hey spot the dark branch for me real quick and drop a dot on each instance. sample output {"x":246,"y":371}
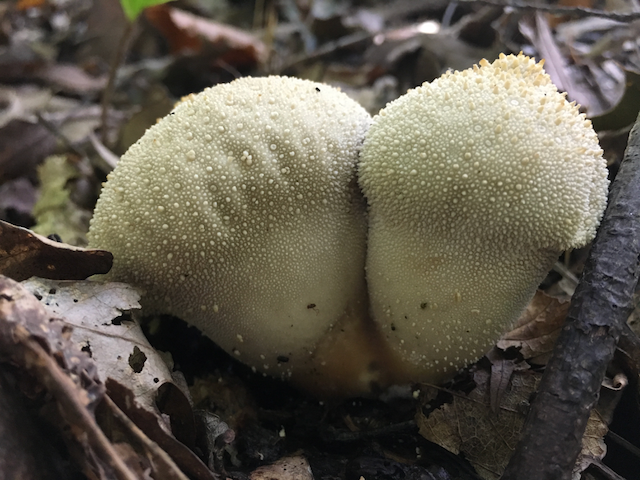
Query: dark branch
{"x":552,"y":436}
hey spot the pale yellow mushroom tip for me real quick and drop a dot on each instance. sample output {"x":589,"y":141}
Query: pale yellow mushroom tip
{"x":520,"y":149}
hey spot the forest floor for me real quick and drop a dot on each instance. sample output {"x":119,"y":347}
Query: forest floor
{"x":80,"y":83}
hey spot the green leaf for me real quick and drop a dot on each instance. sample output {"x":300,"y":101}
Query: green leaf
{"x":54,"y":211}
{"x":132,"y":8}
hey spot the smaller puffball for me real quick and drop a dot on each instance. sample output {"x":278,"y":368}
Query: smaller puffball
{"x":475,"y":184}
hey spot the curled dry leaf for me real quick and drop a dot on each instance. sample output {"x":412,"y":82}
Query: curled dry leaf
{"x":536,"y":331}
{"x":216,"y":436}
{"x":24,"y":254}
{"x":162,"y":442}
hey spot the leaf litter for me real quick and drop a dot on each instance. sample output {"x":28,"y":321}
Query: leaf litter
{"x":374,"y":52}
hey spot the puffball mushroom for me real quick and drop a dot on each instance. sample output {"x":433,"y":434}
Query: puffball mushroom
{"x":240,"y":213}
{"x":475,"y":184}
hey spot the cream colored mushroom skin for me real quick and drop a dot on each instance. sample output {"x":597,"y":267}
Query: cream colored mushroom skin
{"x":240,"y":213}
{"x":475,"y":184}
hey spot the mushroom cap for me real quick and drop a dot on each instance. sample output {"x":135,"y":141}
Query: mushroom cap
{"x":239,"y":212}
{"x":475,"y":183}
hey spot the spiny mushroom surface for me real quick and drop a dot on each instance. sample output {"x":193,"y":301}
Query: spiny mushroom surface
{"x":475,"y":184}
{"x":240,"y":213}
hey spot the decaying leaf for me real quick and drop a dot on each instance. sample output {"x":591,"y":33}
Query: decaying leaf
{"x":468,"y":424}
{"x":25,"y":254}
{"x":23,"y":321}
{"x":501,"y":373}
{"x":287,"y":468}
{"x":134,"y":372}
{"x":536,"y":331}
{"x":170,"y":456}
{"x":593,"y":446}
{"x":117,"y":345}
{"x":39,"y":343}
{"x":33,"y":341}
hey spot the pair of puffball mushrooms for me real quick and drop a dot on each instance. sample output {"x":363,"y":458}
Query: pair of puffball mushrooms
{"x":242,"y":212}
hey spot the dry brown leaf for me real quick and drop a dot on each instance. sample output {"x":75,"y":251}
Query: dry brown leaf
{"x":27,"y":4}
{"x":468,"y":425}
{"x":593,"y":446}
{"x":180,"y":40}
{"x":216,"y":33}
{"x":188,"y":32}
{"x":501,"y":372}
{"x":25,"y":254}
{"x":170,"y":457}
{"x":537,"y":329}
